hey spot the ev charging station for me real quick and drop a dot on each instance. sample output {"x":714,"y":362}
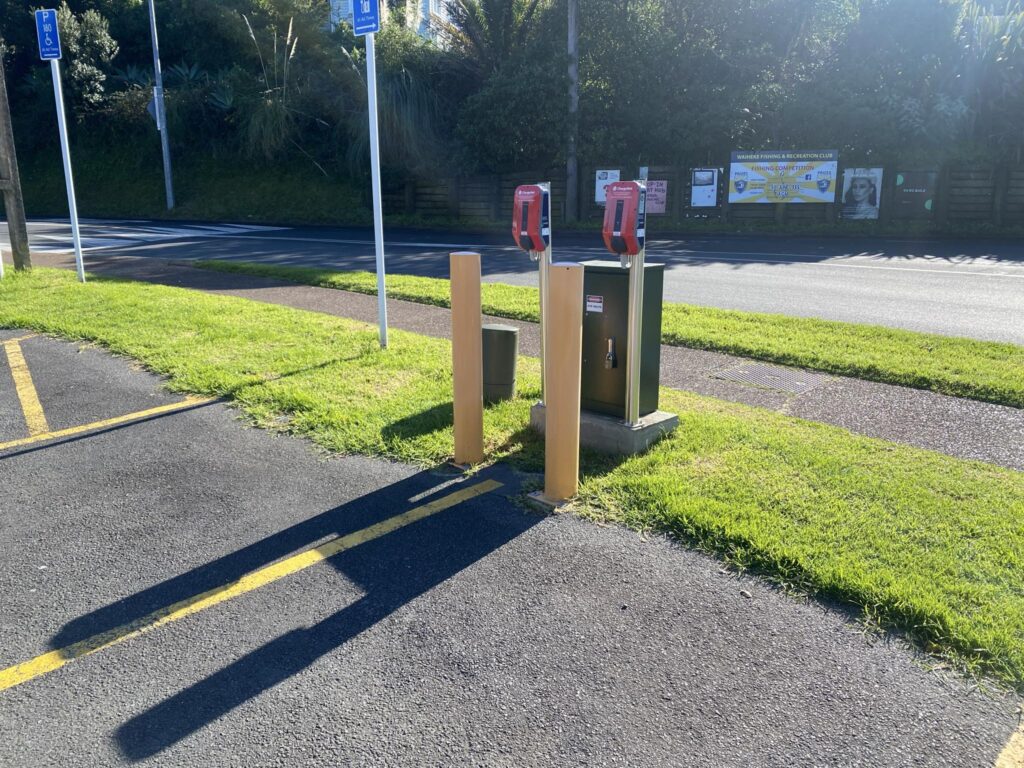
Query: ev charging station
{"x":625,"y":233}
{"x":621,"y":321}
{"x":531,"y":230}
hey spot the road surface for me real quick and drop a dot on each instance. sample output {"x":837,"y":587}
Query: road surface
{"x":949,"y":287}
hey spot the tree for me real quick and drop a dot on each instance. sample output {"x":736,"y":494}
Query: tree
{"x":88,"y":50}
{"x":488,"y":34}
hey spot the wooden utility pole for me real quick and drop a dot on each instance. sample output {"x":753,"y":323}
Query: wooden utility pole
{"x":572,"y":179}
{"x":10,"y":181}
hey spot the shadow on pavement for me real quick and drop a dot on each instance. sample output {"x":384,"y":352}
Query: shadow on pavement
{"x":391,"y":570}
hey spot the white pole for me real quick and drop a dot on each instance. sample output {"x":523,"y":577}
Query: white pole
{"x":542,"y":283}
{"x":378,"y":213}
{"x":161,"y":112}
{"x":1,"y":263}
{"x":635,"y":331}
{"x":69,"y":180}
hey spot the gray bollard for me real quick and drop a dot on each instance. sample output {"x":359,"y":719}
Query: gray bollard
{"x":501,"y":353}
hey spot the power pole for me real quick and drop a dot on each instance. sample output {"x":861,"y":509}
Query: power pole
{"x":572,"y":181}
{"x":10,"y":181}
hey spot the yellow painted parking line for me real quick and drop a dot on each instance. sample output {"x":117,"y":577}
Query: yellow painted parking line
{"x":42,"y":437}
{"x":1012,"y":755}
{"x":35,"y":419}
{"x":19,"y":339}
{"x":48,"y":662}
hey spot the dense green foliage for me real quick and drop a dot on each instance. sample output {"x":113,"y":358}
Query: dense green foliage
{"x":661,"y":81}
{"x":928,"y":543}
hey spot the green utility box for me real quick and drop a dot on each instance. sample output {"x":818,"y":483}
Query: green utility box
{"x":606,"y":337}
{"x":501,"y":351}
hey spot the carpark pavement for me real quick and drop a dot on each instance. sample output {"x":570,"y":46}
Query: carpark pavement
{"x":454,"y":627}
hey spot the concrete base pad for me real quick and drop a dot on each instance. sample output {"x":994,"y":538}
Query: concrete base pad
{"x":607,"y":434}
{"x":539,"y":501}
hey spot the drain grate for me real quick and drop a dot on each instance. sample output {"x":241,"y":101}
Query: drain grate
{"x":772,"y":377}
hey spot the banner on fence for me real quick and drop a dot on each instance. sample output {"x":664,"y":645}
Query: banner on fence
{"x":704,"y":187}
{"x":783,"y":177}
{"x":862,"y":193}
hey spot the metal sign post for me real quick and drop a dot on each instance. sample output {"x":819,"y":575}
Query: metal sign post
{"x":49,"y":50}
{"x":366,"y":21}
{"x":158,"y":106}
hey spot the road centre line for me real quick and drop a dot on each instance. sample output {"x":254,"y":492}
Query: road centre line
{"x":35,"y":418}
{"x":49,"y":662}
{"x":41,"y":437}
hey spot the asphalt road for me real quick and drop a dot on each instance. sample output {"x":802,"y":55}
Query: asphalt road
{"x":950,"y":287}
{"x":481,"y":634}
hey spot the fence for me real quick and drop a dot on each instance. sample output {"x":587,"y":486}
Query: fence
{"x":975,"y":195}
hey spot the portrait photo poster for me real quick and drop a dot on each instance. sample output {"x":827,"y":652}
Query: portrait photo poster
{"x":862,"y":193}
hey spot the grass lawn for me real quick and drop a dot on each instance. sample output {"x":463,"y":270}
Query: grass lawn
{"x":981,"y":370}
{"x":920,"y":541}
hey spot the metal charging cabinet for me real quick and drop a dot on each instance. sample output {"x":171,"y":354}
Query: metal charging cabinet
{"x":606,"y":337}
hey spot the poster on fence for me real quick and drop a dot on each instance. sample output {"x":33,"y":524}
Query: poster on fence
{"x":915,"y":194}
{"x":601,"y":182}
{"x":657,"y":196}
{"x":783,"y":177}
{"x":862,"y":193}
{"x":704,"y":188}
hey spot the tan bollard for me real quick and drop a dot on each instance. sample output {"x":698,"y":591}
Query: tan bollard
{"x":563,"y":350}
{"x":467,"y":358}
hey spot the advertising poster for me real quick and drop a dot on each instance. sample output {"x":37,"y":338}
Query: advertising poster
{"x":783,"y":177}
{"x":603,"y":179}
{"x":915,"y":194}
{"x":862,"y":193}
{"x":704,"y":188}
{"x":657,"y":196}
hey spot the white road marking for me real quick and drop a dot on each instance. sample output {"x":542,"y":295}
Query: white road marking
{"x":115,"y":236}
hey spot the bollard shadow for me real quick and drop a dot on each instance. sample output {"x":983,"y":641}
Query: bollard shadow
{"x":435,"y":419}
{"x":391,"y":571}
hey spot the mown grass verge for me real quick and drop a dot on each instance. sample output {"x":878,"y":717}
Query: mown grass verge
{"x":924,"y":542}
{"x":980,"y":370}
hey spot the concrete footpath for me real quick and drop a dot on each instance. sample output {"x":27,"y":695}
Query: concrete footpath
{"x":956,"y":426}
{"x":180,"y":590}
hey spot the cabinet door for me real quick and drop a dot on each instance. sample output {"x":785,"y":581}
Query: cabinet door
{"x":605,"y":318}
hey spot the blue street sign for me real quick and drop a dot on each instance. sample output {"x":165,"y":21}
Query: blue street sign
{"x":365,"y":16}
{"x":49,"y":37}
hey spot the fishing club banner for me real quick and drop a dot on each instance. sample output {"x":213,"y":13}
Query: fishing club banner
{"x":783,"y":177}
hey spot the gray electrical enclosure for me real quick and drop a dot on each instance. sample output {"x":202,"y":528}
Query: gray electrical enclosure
{"x":605,"y":337}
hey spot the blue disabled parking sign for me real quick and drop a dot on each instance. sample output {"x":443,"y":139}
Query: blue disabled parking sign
{"x":366,"y":16}
{"x":49,"y":37}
